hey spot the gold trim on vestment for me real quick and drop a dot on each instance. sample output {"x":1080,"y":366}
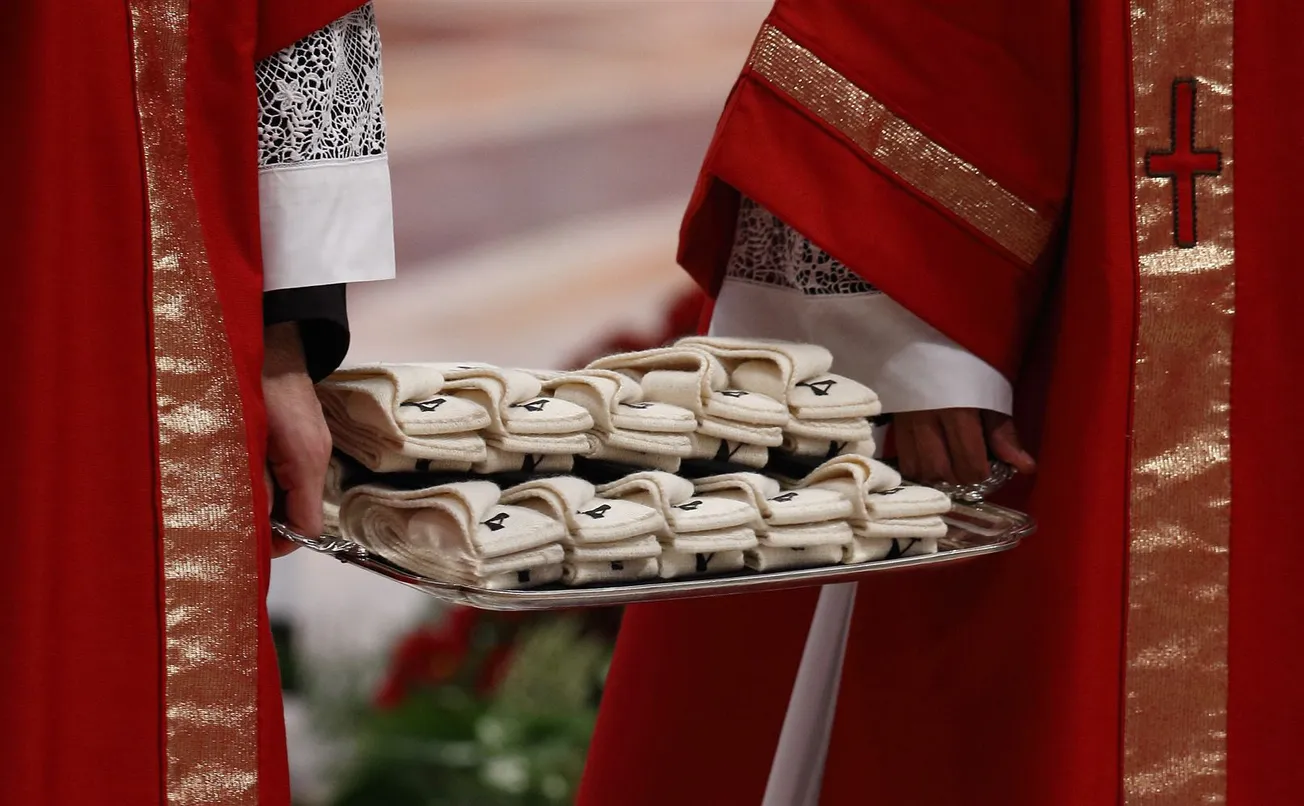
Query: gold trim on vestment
{"x":208,"y":532}
{"x":899,"y":147}
{"x":1175,"y":713}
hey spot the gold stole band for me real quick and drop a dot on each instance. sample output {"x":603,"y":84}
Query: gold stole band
{"x":1175,"y":711}
{"x":208,"y":532}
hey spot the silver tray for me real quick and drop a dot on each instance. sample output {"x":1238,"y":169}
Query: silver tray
{"x":976,"y":530}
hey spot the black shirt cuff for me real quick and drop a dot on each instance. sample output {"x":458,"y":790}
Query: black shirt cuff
{"x":323,"y":316}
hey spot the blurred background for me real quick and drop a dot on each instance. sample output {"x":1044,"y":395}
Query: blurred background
{"x":542,"y":152}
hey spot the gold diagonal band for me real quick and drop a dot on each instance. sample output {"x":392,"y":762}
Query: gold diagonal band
{"x":894,"y":144}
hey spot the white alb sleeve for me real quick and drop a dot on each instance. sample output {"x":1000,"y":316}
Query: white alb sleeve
{"x":916,"y":368}
{"x":910,"y":364}
{"x":323,"y":181}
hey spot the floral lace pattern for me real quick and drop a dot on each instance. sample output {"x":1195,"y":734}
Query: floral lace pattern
{"x":768,"y":252}
{"x":321,"y":98}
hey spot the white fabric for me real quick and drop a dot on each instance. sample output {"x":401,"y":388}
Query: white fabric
{"x":863,"y":550}
{"x":684,"y":510}
{"x":697,"y":381}
{"x":779,"y":558}
{"x":578,"y":572}
{"x":455,"y":533}
{"x":674,"y":564}
{"x":932,"y":528}
{"x":323,"y":182}
{"x":910,"y":364}
{"x":808,"y":535}
{"x":393,"y":418}
{"x":638,"y":548}
{"x":907,"y":502}
{"x":626,"y":428}
{"x":326,"y":222}
{"x":738,"y":453}
{"x":794,"y":373}
{"x":796,"y":519}
{"x":797,"y":772}
{"x":588,"y":519}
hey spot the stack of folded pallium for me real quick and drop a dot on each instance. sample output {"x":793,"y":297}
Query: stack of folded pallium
{"x":821,"y":414}
{"x":627,"y":428}
{"x":887,"y":519}
{"x":456,"y":533}
{"x":699,"y":458}
{"x":452,"y":417}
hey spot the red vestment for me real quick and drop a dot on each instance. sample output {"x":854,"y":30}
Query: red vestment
{"x":1005,"y":171}
{"x":103,"y":204}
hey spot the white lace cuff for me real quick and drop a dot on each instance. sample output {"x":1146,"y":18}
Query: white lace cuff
{"x":323,"y":183}
{"x":780,"y":285}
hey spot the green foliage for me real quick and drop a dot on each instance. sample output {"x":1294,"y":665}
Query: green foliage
{"x":521,"y":744}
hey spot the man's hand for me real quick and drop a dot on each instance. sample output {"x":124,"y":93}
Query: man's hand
{"x":956,"y":446}
{"x":298,"y":442}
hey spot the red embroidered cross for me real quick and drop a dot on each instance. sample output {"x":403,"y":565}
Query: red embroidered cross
{"x":1184,"y":162}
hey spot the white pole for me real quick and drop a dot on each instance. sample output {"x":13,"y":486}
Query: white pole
{"x":797,"y":773}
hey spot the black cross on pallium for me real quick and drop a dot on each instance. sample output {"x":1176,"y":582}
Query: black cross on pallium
{"x":835,"y":449}
{"x":425,"y":405}
{"x":533,"y":405}
{"x":733,"y":393}
{"x":1183,"y":162}
{"x":597,"y":513}
{"x":820,"y":388}
{"x":900,"y":547}
{"x":785,"y":498}
{"x":724,"y":453}
{"x":690,"y":506}
{"x":496,"y":523}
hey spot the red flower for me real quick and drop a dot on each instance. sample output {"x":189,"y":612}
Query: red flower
{"x":461,"y":623}
{"x":428,"y":657}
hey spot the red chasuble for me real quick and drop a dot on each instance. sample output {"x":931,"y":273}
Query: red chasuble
{"x":135,"y":662}
{"x":1098,"y":198}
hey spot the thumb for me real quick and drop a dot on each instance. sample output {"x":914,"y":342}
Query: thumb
{"x":280,"y":546}
{"x":303,"y":485}
{"x":1003,"y":441}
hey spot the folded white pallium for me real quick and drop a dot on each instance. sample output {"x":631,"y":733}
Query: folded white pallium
{"x":395,"y":418}
{"x":703,"y":534}
{"x":456,"y":533}
{"x":828,"y":413}
{"x":526,"y":430}
{"x":626,"y":428}
{"x":887,"y":519}
{"x":799,"y":528}
{"x":607,"y":539}
{"x":733,"y":425}
{"x":452,"y":418}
